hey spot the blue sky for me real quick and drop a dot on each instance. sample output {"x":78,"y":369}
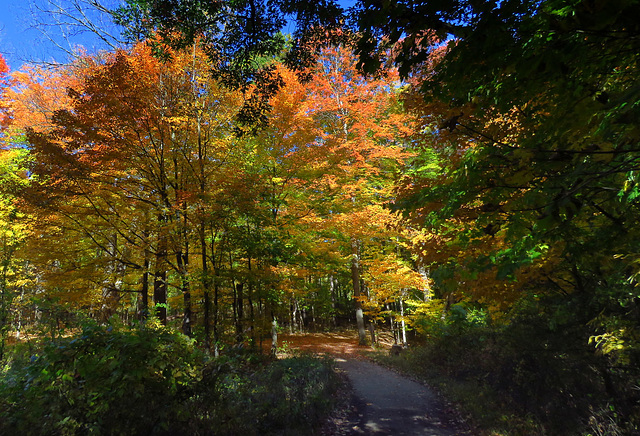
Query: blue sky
{"x":20,"y":42}
{"x":15,"y":41}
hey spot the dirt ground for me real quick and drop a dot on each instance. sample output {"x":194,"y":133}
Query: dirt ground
{"x":339,"y":344}
{"x":379,"y":401}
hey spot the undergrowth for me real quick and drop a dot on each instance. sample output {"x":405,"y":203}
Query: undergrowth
{"x":115,"y":381}
{"x":524,"y":379}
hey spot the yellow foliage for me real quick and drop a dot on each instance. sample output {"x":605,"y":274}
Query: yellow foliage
{"x":607,"y":343}
{"x":388,"y":279}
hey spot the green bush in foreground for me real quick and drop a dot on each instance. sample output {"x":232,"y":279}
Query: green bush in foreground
{"x":107,"y":381}
{"x":285,"y":398}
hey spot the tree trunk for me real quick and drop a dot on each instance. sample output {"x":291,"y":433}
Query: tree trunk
{"x":334,"y":302}
{"x":206,"y":283}
{"x":252,"y":319}
{"x":160,"y":276}
{"x":207,"y":319}
{"x":160,"y":295}
{"x":182,"y":260}
{"x":160,"y":282}
{"x":274,"y":337}
{"x":391,"y":325}
{"x":301,"y":314}
{"x":404,"y":329}
{"x":239,"y":310}
{"x":262,"y":312}
{"x":144,"y":309}
{"x":372,"y":333}
{"x":216,"y":296}
{"x":355,"y":276}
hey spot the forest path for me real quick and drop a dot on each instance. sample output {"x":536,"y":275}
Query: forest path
{"x":383,"y":402}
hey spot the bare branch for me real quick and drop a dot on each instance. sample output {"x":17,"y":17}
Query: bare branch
{"x":74,"y":27}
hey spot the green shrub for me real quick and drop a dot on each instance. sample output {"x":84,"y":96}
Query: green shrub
{"x":519,"y":379}
{"x":102,"y":381}
{"x":459,"y":318}
{"x":284,"y":397}
{"x":115,"y":381}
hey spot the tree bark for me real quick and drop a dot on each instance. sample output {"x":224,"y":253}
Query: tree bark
{"x":206,"y":283}
{"x":402,"y":324}
{"x":182,"y":259}
{"x":146,"y":263}
{"x":372,"y":333}
{"x":334,"y":302}
{"x":144,"y":310}
{"x":160,"y":279}
{"x":239,"y":311}
{"x":355,"y":276}
{"x":274,"y":337}
{"x":216,"y":297}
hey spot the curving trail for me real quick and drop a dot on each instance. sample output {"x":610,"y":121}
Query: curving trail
{"x":383,"y":402}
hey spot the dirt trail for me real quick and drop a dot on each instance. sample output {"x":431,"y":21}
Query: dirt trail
{"x":383,"y":402}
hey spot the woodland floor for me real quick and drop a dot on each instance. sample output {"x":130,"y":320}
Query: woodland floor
{"x":378,"y":401}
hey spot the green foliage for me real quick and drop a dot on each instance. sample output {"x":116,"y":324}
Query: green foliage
{"x":12,"y":234}
{"x":537,"y":206}
{"x":459,"y":319}
{"x":115,"y":381}
{"x":242,"y":39}
{"x":102,"y":381}
{"x":283,"y":398}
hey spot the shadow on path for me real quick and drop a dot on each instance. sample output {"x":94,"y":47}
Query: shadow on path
{"x":384,"y":402}
{"x":389,"y":404}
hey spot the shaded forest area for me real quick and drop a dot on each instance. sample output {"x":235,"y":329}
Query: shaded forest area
{"x":464,"y":174}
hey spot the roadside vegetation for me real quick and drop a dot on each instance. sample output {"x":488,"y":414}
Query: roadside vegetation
{"x":112,"y":380}
{"x":519,"y":378}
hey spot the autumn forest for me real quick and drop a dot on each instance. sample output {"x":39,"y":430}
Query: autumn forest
{"x":462,"y":176}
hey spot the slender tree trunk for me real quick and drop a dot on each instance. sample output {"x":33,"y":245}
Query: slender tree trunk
{"x":391,"y":325}
{"x":261,"y":312}
{"x":161,"y":266}
{"x":239,"y":289}
{"x":206,"y":283}
{"x":402,"y":324}
{"x":216,"y":297}
{"x":144,"y":310}
{"x":202,"y":175}
{"x":372,"y":333}
{"x":5,"y":302}
{"x":160,"y":294}
{"x":301,"y":314}
{"x":160,"y":279}
{"x":19,"y":315}
{"x":274,"y":337}
{"x":252,"y":320}
{"x":234,"y":305}
{"x":216,"y":265}
{"x":182,"y":260}
{"x":334,"y":301}
{"x":355,"y":276}
{"x":426,"y":293}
